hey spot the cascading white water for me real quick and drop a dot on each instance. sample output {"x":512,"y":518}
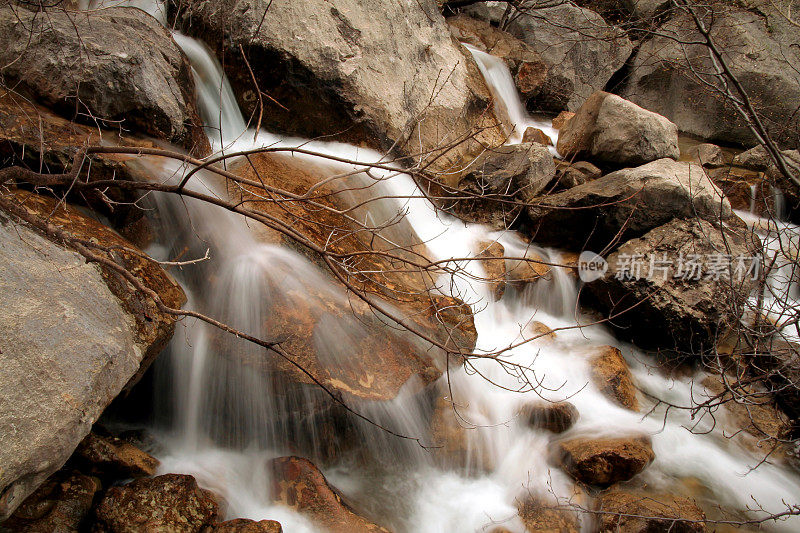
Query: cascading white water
{"x":227,"y":424}
{"x":504,"y":91}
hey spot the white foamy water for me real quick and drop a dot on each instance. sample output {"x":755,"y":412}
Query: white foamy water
{"x":228,"y":420}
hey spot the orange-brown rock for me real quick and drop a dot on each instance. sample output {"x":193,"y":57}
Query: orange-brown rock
{"x":621,"y":511}
{"x":528,"y":269}
{"x":298,"y":484}
{"x":610,"y":374}
{"x":379,"y":359}
{"x":112,"y":457}
{"x":451,"y":437}
{"x":540,"y":516}
{"x":494,"y":265}
{"x":535,"y":135}
{"x":172,"y":502}
{"x":556,"y":417}
{"x":604,"y":461}
{"x":540,"y":331}
{"x":243,"y":525}
{"x":61,"y":503}
{"x":561,"y":120}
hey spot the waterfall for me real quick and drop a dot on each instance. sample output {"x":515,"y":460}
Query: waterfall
{"x":228,"y":417}
{"x":507,"y":100}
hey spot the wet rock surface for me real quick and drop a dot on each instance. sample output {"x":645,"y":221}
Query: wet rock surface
{"x":556,"y":417}
{"x":610,"y":373}
{"x":604,"y":461}
{"x":171,"y":502}
{"x":298,"y":484}
{"x":633,"y":512}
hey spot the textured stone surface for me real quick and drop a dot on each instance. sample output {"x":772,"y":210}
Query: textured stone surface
{"x":633,"y":512}
{"x":604,"y":461}
{"x":73,"y":337}
{"x":668,"y":76}
{"x":625,"y":204}
{"x":172,"y":502}
{"x":296,"y":482}
{"x":556,"y":417}
{"x":580,"y":49}
{"x":609,"y":129}
{"x":113,"y":457}
{"x":610,"y":374}
{"x":367,"y":69}
{"x":676,"y":308}
{"x":120,"y":63}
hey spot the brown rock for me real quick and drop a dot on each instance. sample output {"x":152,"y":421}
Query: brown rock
{"x":708,"y":155}
{"x":451,"y":435}
{"x":243,"y":525}
{"x":604,"y":461}
{"x":172,"y":502}
{"x":494,"y":266}
{"x":572,"y":175}
{"x":562,"y":119}
{"x":540,"y":517}
{"x":113,"y":457}
{"x":657,"y":512}
{"x":535,"y":135}
{"x":611,"y":375}
{"x":297,"y":483}
{"x":540,"y":330}
{"x":61,"y":503}
{"x":556,"y":417}
{"x":528,"y":270}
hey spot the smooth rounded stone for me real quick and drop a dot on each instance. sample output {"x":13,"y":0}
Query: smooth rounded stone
{"x":679,"y":304}
{"x":75,"y":334}
{"x":562,"y":119}
{"x":581,"y":51}
{"x":121,"y":64}
{"x":626,"y":204}
{"x":604,"y":461}
{"x":451,"y":438}
{"x":609,"y":129}
{"x":172,"y":502}
{"x":623,"y":511}
{"x":296,"y":482}
{"x":610,"y":374}
{"x":61,"y":503}
{"x":556,"y":417}
{"x":494,"y":266}
{"x":757,"y":43}
{"x":540,"y":516}
{"x":112,"y":457}
{"x":243,"y":525}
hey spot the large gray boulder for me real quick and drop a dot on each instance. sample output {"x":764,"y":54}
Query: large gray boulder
{"x":73,"y":336}
{"x":626,"y":204}
{"x":609,"y":129}
{"x":581,"y":50}
{"x":379,"y":70}
{"x":115,"y":65}
{"x":677,"y":286}
{"x":676,"y":79}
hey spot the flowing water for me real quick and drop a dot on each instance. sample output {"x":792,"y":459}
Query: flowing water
{"x":226,"y":418}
